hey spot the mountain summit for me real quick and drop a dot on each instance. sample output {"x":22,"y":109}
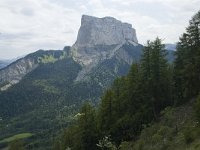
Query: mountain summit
{"x":104,"y":31}
{"x":100,"y":39}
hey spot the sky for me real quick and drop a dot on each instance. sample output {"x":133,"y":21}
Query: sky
{"x":29,"y":25}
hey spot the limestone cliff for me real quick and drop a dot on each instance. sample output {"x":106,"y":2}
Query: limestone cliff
{"x":100,"y":39}
{"x":104,"y":31}
{"x":15,"y":72}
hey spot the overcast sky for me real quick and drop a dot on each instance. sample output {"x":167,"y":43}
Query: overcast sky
{"x":29,"y":25}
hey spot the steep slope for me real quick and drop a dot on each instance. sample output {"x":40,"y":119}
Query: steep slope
{"x":6,"y":62}
{"x":177,"y":129}
{"x":100,"y":39}
{"x":13,"y":73}
{"x":45,"y":99}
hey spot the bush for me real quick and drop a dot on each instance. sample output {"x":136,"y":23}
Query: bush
{"x":125,"y":146}
{"x":189,"y":135}
{"x":17,"y":145}
{"x":197,"y":108}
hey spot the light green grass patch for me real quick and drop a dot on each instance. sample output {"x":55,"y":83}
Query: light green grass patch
{"x":16,"y":137}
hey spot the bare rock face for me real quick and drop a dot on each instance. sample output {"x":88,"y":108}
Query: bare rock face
{"x":15,"y":72}
{"x":100,"y":39}
{"x":104,"y":31}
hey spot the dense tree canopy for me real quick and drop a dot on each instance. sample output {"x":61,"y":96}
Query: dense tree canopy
{"x":187,"y":63}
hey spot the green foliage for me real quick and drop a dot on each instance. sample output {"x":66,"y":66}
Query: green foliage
{"x":106,"y":144}
{"x":47,"y":59}
{"x":155,"y":75}
{"x":16,"y":145}
{"x":187,"y":62}
{"x":16,"y":137}
{"x":197,"y":108}
{"x":189,"y":135}
{"x":83,"y":135}
{"x":125,"y":146}
{"x":88,"y":127}
{"x":175,"y":130}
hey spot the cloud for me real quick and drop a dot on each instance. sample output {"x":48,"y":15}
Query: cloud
{"x":28,"y":25}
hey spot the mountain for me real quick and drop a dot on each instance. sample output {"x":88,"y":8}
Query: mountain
{"x":45,"y":89}
{"x":171,"y":47}
{"x":13,"y":73}
{"x":100,"y":39}
{"x":4,"y":63}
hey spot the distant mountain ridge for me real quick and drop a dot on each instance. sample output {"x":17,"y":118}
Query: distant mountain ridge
{"x":15,"y":71}
{"x":170,"y":46}
{"x":4,"y":63}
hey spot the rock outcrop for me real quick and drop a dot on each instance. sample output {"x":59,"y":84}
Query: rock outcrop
{"x":104,"y":31}
{"x":100,"y":39}
{"x":15,"y":72}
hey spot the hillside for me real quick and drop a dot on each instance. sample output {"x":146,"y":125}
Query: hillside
{"x":156,"y":106}
{"x":177,"y":129}
{"x":45,"y":99}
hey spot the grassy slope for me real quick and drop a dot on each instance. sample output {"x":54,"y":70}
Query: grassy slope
{"x":176,"y":130}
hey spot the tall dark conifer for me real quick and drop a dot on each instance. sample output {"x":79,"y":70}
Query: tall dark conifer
{"x":187,"y":63}
{"x":154,"y":70}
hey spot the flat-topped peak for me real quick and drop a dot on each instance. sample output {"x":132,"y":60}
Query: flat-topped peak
{"x":93,"y":17}
{"x":104,"y":31}
{"x":87,"y":18}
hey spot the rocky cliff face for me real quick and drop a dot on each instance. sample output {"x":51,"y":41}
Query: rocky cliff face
{"x":103,"y":31}
{"x":15,"y":72}
{"x":100,"y":39}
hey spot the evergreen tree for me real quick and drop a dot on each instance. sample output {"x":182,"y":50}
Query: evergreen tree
{"x":187,"y":63}
{"x":88,"y":128}
{"x":155,"y":80}
{"x":106,"y":112}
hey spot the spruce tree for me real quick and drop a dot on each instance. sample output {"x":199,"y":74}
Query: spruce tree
{"x":187,"y":63}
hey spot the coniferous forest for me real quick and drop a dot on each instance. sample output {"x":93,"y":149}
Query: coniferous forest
{"x":154,"y":107}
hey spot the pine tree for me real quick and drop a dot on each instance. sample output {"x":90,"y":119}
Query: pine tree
{"x":106,"y":112}
{"x":187,"y":63}
{"x":154,"y":73}
{"x":88,"y":128}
